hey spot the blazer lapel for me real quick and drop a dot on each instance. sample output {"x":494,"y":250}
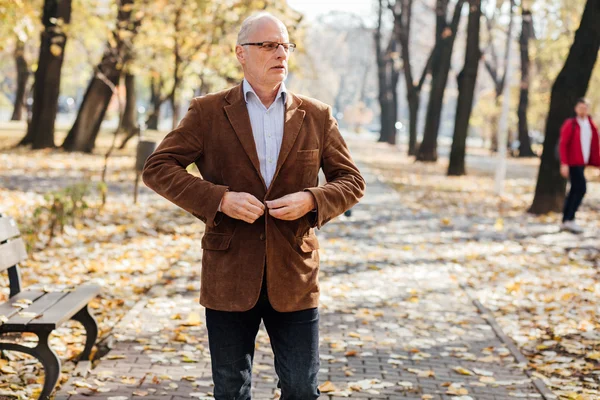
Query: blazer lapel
{"x":292,"y":124}
{"x":237,"y":113}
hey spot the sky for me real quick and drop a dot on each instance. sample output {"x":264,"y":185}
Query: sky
{"x":313,"y":8}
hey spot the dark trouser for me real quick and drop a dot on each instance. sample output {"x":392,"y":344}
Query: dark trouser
{"x":294,"y":340}
{"x":576,"y":192}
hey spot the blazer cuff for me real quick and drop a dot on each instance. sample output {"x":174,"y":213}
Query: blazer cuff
{"x":315,"y":216}
{"x":214,"y":217}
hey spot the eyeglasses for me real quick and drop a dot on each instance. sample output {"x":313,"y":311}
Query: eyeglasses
{"x":272,"y":46}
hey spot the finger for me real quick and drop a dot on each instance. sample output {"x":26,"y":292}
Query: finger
{"x":283,"y":213}
{"x":248,"y":216}
{"x":255,"y":202}
{"x":277,"y":203}
{"x":255,"y":210}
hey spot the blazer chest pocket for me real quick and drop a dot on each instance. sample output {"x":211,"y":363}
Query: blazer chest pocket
{"x":307,"y":156}
{"x":216,"y":241}
{"x":308,"y":166}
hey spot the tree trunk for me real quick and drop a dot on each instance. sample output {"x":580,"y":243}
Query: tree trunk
{"x":395,"y":75}
{"x":40,"y":132}
{"x":413,"y":114}
{"x":572,"y":82}
{"x":385,"y":96}
{"x":175,"y":110}
{"x":156,"y":101}
{"x":22,"y":77}
{"x":176,"y":73}
{"x":526,"y":34}
{"x":466,"y":89}
{"x":402,"y":21}
{"x":83,"y":134}
{"x":494,"y":120}
{"x":439,"y":77}
{"x":129,"y":120}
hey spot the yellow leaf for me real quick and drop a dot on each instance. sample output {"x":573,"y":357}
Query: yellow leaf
{"x":192,"y":320}
{"x":422,"y":373}
{"x":8,"y":370}
{"x":327,"y":387}
{"x":462,"y":371}
{"x":594,"y":355}
{"x":82,"y":384}
{"x":187,"y":359}
{"x":499,"y":225}
{"x":115,"y":357}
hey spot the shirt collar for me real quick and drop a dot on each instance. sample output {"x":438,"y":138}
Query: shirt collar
{"x":282,"y":92}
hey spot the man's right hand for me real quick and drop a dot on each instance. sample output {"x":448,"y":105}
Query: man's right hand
{"x":242,"y":206}
{"x":564,"y":170}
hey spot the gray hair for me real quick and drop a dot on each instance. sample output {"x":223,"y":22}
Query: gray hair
{"x":249,"y":23}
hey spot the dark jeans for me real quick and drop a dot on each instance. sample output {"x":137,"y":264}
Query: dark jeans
{"x":576,"y":192}
{"x":294,"y":340}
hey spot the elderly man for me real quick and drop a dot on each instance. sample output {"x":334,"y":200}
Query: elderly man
{"x":259,"y":149}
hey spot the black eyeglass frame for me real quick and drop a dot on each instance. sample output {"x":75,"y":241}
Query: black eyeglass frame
{"x":291,"y":46}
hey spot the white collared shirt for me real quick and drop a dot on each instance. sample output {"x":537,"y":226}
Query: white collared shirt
{"x":586,"y":138}
{"x":267,"y":128}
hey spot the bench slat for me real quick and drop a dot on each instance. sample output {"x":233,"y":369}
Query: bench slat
{"x":12,"y":253}
{"x":66,"y":307}
{"x":8,"y":228}
{"x":7,"y":309}
{"x":38,"y":307}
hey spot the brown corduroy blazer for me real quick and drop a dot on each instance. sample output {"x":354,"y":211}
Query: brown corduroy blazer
{"x":216,"y":135}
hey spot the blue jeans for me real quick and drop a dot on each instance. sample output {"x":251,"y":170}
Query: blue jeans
{"x":294,"y":340}
{"x":576,"y":192}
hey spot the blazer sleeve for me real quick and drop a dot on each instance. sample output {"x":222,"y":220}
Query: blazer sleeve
{"x":566,"y":131}
{"x":165,"y":170}
{"x":345,"y":185}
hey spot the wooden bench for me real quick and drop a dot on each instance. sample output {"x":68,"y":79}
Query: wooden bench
{"x":40,"y":312}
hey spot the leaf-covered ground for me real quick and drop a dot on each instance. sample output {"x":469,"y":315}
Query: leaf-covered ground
{"x":125,"y":248}
{"x":541,"y":285}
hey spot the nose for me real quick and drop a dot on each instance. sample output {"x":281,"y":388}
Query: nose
{"x":280,"y":52}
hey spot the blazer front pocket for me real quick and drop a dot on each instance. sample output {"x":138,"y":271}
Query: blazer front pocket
{"x":216,"y":241}
{"x":308,"y":243}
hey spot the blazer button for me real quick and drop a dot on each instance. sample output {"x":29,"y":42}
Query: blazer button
{"x":262,"y":236}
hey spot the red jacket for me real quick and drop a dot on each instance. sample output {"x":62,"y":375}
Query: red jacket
{"x":570,"y":144}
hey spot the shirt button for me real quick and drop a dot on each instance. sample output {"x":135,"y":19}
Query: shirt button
{"x":262,"y":236}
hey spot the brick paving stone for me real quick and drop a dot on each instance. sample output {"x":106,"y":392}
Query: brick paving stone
{"x":396,"y":311}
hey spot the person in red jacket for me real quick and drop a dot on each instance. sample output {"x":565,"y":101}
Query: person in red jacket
{"x":578,"y":147}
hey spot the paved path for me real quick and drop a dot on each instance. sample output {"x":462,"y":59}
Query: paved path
{"x":395,"y":324}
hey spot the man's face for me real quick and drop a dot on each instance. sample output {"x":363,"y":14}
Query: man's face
{"x":581,"y":109}
{"x":261,"y":66}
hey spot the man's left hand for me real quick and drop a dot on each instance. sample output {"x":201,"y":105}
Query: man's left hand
{"x":291,"y":206}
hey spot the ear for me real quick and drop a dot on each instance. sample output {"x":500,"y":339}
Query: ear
{"x":240,"y":54}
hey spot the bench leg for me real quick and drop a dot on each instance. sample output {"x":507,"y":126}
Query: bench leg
{"x":91,"y":331}
{"x":47,"y":357}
